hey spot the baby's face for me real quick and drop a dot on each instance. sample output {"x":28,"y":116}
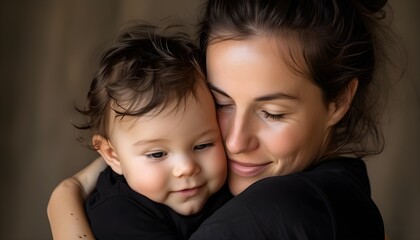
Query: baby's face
{"x":175,"y":158}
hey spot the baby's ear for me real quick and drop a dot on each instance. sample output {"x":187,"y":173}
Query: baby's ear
{"x":104,"y":147}
{"x":339,"y":107}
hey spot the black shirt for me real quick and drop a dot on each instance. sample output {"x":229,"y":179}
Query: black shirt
{"x":117,"y":212}
{"x":329,"y":201}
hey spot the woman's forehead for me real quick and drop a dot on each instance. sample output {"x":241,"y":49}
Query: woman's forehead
{"x":285,"y":46}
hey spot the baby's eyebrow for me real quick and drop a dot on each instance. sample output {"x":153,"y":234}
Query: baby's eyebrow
{"x":148,"y":141}
{"x":207,"y":132}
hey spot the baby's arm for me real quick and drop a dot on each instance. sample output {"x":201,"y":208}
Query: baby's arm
{"x":65,"y":210}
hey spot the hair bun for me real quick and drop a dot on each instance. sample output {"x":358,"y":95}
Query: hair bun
{"x":371,"y":5}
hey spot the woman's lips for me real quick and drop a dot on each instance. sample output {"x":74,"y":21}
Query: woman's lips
{"x":246,"y":169}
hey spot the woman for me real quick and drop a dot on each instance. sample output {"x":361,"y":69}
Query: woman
{"x":295,"y":85}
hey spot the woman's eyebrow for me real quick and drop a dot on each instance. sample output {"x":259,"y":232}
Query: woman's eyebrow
{"x":275,"y":96}
{"x":213,"y":88}
{"x":268,"y":97}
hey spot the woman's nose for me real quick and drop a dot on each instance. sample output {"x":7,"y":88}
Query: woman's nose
{"x":241,"y":135}
{"x":186,"y":166}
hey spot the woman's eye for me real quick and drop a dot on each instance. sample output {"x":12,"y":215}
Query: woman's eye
{"x":156,"y":155}
{"x":203,"y":146}
{"x":270,"y":116}
{"x":222,"y":106}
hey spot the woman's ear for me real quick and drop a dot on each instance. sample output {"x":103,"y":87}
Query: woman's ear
{"x":104,"y":147}
{"x":339,"y":107}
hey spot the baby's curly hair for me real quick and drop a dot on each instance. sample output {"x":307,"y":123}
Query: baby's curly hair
{"x":144,"y":70}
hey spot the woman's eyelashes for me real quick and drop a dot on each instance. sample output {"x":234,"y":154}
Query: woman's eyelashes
{"x":265,"y":114}
{"x":220,"y":106}
{"x":271,"y":116}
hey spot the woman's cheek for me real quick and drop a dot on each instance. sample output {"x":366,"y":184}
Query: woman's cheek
{"x":283,"y":141}
{"x":223,"y":121}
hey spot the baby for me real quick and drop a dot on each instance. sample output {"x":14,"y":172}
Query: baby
{"x":154,"y":123}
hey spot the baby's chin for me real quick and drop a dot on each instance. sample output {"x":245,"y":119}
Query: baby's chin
{"x":187,"y":209}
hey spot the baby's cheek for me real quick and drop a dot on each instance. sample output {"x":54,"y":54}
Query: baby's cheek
{"x":216,"y":171}
{"x":151,"y":184}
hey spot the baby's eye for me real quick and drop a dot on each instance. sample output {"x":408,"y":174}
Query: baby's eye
{"x":203,"y":146}
{"x":270,"y":116}
{"x":156,"y":155}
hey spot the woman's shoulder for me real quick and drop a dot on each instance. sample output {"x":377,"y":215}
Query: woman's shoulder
{"x":335,"y":192}
{"x":271,"y":210}
{"x":340,"y":184}
{"x":329,"y":201}
{"x":329,"y":175}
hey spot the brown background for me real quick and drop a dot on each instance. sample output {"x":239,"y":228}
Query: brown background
{"x":48,"y":51}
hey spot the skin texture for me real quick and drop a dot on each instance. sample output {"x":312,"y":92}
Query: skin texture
{"x":174,"y":157}
{"x":70,"y":221}
{"x":273,"y":120}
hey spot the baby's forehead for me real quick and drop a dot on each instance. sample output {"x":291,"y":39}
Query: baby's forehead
{"x":170,"y":116}
{"x":149,"y":106}
{"x":130,"y":111}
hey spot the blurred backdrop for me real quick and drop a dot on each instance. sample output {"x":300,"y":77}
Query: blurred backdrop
{"x":48,"y":52}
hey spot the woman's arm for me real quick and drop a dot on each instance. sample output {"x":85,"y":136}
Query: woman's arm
{"x":65,"y":209}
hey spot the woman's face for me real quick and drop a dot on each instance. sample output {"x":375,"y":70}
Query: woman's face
{"x":273,"y":121}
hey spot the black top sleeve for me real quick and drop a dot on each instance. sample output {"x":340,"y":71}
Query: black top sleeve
{"x":122,"y":218}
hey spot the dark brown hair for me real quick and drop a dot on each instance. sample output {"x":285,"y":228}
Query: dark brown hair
{"x":331,"y":42}
{"x":144,"y":70}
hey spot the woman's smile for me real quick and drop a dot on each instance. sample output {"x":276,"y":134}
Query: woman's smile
{"x":246,"y":169}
